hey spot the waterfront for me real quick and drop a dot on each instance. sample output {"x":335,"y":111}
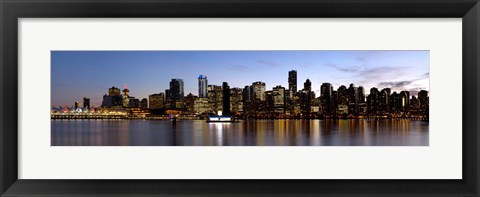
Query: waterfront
{"x":352,"y":132}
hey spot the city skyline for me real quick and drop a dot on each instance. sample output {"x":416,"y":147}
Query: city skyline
{"x":78,"y":74}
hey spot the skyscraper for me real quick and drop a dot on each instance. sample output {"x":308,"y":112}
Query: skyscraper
{"x":226,"y":99}
{"x":259,"y":90}
{"x":279,"y":99}
{"x":292,"y":81}
{"x":176,"y":93}
{"x":144,"y":103}
{"x":202,"y":86}
{"x":86,"y":103}
{"x":156,"y":101}
{"x":125,"y":97}
{"x":307,"y":85}
{"x":326,"y":98}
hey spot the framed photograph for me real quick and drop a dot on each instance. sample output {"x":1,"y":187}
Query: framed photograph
{"x":228,"y":98}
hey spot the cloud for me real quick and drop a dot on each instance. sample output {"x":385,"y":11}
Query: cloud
{"x":352,"y":69}
{"x":238,"y":67}
{"x":427,"y":75}
{"x":361,"y":59}
{"x":268,"y":63}
{"x":395,"y":84}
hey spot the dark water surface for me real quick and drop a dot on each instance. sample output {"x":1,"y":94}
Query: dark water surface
{"x":245,"y":133}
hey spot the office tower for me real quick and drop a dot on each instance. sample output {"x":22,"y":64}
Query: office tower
{"x":373,"y":101}
{"x":307,"y":85}
{"x":125,"y":97}
{"x":259,"y":91}
{"x":226,"y":99}
{"x":352,"y":99}
{"x":77,"y":105}
{"x":176,"y":89}
{"x":394,"y":103}
{"x":144,"y":103}
{"x":279,"y":99}
{"x":236,"y":97}
{"x":247,"y":94}
{"x":326,"y":90}
{"x":133,"y":102}
{"x":202,"y":86}
{"x":176,"y":93}
{"x":190,"y":103}
{"x":384,"y":101}
{"x":86,"y":103}
{"x":114,"y":91}
{"x":423,"y":101}
{"x":215,"y":98}
{"x":292,"y":81}
{"x":361,"y":94}
{"x":156,"y":101}
{"x":113,"y":98}
{"x":405,"y":100}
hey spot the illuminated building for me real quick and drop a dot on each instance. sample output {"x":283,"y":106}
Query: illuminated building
{"x":326,"y":101}
{"x":292,"y":81}
{"x":176,"y":93}
{"x":373,"y":101}
{"x":136,"y":112}
{"x":384,"y":101}
{"x":156,"y":101}
{"x":113,"y":91}
{"x":133,"y":102}
{"x":190,"y":103}
{"x":144,"y":103}
{"x":113,"y":98}
{"x":236,"y":97}
{"x":423,"y":101}
{"x":352,"y":99}
{"x":77,"y":105}
{"x":259,"y":90}
{"x":201,"y":106}
{"x":215,"y":98}
{"x":86,"y":103}
{"x":125,"y":97}
{"x":278,"y":94}
{"x":405,"y":101}
{"x":202,"y":86}
{"x":226,"y":99}
{"x":307,"y":85}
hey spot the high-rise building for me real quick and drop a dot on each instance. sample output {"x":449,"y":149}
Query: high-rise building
{"x":292,"y":81}
{"x":156,"y":101}
{"x":176,"y":93}
{"x":133,"y":102}
{"x":423,"y":101}
{"x":86,"y":103}
{"x":144,"y":103}
{"x":125,"y":97}
{"x":215,"y":98}
{"x":405,"y":100}
{"x":373,"y":102}
{"x":190,"y":103}
{"x":352,"y":99}
{"x":114,"y":91}
{"x":307,"y":85}
{"x":113,"y":98}
{"x":259,"y":90}
{"x":226,"y":99}
{"x":278,"y":94}
{"x":236,"y":97}
{"x":326,"y":90}
{"x":202,"y":86}
{"x":77,"y":105}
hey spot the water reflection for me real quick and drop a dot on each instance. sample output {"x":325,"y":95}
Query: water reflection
{"x":245,"y":133}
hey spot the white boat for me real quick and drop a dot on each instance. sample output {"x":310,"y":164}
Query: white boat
{"x":220,"y":119}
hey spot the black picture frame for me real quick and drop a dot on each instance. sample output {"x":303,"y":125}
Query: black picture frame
{"x":12,"y":10}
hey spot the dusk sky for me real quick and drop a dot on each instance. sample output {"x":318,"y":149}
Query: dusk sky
{"x":76,"y":74}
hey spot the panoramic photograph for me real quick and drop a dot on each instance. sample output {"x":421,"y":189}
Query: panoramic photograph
{"x":240,"y":98}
